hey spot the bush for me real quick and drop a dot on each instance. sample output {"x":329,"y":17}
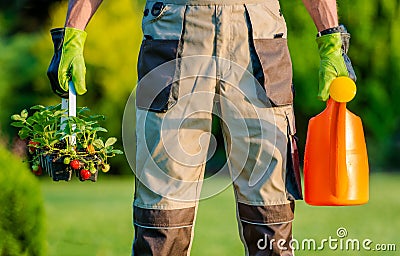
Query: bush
{"x":21,"y":209}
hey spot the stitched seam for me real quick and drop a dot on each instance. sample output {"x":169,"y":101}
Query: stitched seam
{"x":162,"y":227}
{"x":265,"y":224}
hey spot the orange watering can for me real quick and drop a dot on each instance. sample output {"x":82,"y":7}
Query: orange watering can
{"x":335,"y":161}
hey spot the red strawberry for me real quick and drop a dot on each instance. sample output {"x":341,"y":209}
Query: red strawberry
{"x":32,"y":146}
{"x":85,"y":174}
{"x":37,"y":170}
{"x":75,"y":164}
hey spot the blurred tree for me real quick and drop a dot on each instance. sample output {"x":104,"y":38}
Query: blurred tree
{"x":24,"y":15}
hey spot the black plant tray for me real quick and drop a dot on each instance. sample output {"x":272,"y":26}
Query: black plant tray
{"x":54,"y":166}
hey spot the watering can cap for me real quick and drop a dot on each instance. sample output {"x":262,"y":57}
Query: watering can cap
{"x":343,"y":89}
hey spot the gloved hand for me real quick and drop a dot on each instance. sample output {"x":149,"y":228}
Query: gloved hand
{"x":68,"y":62}
{"x":334,"y":60}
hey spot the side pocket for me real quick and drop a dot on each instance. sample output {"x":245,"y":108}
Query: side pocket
{"x":277,"y":69}
{"x":293,"y":177}
{"x":269,"y":51}
{"x":157,"y":90}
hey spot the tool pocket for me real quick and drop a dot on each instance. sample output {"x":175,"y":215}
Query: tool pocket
{"x":270,"y":55}
{"x":157,"y":89}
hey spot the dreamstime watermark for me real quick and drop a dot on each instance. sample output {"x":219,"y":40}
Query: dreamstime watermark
{"x":340,"y":242}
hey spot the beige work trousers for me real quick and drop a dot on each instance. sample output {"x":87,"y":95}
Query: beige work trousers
{"x":198,"y":59}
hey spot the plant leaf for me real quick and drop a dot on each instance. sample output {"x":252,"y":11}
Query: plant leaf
{"x":97,"y":117}
{"x":16,"y":117}
{"x":58,"y":106}
{"x":99,"y":129}
{"x":38,"y":128}
{"x":90,"y":123}
{"x":117,"y":151}
{"x":110,"y":141}
{"x":24,"y":113}
{"x":30,"y":121}
{"x":18,"y":124}
{"x":98,"y":143}
{"x":23,"y":133}
{"x":38,"y":107}
{"x":82,"y":109}
{"x":60,"y":112}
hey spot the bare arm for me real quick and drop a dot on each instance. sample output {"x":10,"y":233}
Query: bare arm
{"x":80,"y":12}
{"x":323,"y":13}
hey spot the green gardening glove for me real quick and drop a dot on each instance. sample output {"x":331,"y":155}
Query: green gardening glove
{"x":333,"y":49}
{"x":68,"y":62}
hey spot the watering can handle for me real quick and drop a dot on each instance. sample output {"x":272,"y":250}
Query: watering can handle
{"x":342,"y":90}
{"x":338,"y":168}
{"x":70,"y":105}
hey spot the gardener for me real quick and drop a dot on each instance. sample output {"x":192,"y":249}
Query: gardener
{"x":199,"y":57}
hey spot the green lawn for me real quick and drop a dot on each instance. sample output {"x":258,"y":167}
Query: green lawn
{"x":95,"y":219}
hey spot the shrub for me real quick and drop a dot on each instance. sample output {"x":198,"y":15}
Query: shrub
{"x":21,"y":209}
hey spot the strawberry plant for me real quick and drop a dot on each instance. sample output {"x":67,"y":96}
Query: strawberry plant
{"x":63,"y":145}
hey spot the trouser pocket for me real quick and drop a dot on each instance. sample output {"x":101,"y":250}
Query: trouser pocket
{"x":162,"y":26}
{"x":157,"y":88}
{"x":270,"y":55}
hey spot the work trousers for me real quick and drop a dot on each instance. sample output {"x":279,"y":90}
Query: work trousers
{"x":199,"y":59}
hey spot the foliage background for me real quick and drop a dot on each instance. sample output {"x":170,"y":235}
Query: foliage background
{"x":112,"y":46}
{"x":22,"y":213}
{"x":111,"y":50}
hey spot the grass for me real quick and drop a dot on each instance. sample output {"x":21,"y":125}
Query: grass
{"x":89,"y":218}
{"x":95,"y":219}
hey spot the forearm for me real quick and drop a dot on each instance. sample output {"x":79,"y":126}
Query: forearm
{"x":80,"y":12}
{"x":323,"y":13}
